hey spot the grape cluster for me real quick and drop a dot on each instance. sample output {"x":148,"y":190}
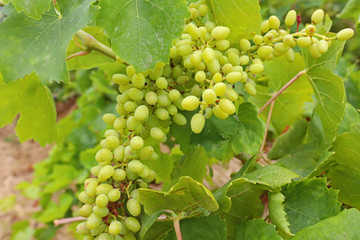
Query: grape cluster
{"x":201,"y":76}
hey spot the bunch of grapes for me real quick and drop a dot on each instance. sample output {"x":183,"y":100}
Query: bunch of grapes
{"x":201,"y":76}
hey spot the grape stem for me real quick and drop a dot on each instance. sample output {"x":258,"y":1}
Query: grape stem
{"x":288,"y":84}
{"x":267,"y":127}
{"x":82,"y":53}
{"x":176,"y":222}
{"x":61,"y":221}
{"x":92,"y":44}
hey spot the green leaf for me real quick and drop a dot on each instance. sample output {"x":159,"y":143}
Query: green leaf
{"x":308,"y":202}
{"x":147,"y":221}
{"x":54,"y":211}
{"x":256,"y":229}
{"x":277,"y":213}
{"x":61,"y":177}
{"x":351,"y":10}
{"x":91,"y":60}
{"x":343,"y":226}
{"x":28,"y":190}
{"x":242,"y":17}
{"x":351,"y":116}
{"x":210,"y":227}
{"x":35,"y":104}
{"x":29,"y":45}
{"x":21,"y":231}
{"x":186,"y":195}
{"x":141,"y":31}
{"x":7,"y":203}
{"x":290,"y":105}
{"x":158,"y":231}
{"x":34,"y":8}
{"x":345,"y":175}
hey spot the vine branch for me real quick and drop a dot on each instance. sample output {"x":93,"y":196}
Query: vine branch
{"x":267,"y":127}
{"x":61,"y":221}
{"x":288,"y":84}
{"x":177,"y":228}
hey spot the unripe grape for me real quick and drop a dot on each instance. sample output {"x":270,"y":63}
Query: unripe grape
{"x":196,"y":91}
{"x":317,"y":16}
{"x":119,"y":123}
{"x":281,"y":47}
{"x":120,"y":79}
{"x":151,"y":98}
{"x":304,"y":41}
{"x":219,"y":113}
{"x":172,"y":109}
{"x":288,"y":40}
{"x":345,"y":34}
{"x":156,"y":133}
{"x":161,"y":83}
{"x":290,"y":55}
{"x":141,"y":113}
{"x":200,"y":76}
{"x":213,"y":66}
{"x":209,"y":96}
{"x":90,"y":188}
{"x":135,"y":94}
{"x":313,"y":51}
{"x":265,"y":26}
{"x":231,"y":94}
{"x":85,"y":210}
{"x":194,"y":13}
{"x":233,"y":77}
{"x":130,"y":106}
{"x":268,"y":38}
{"x":190,"y":103}
{"x":100,"y":229}
{"x":101,"y":212}
{"x":193,"y":30}
{"x":119,"y":175}
{"x":103,"y":188}
{"x":109,"y":118}
{"x":222,"y":44}
{"x":258,"y":39}
{"x":256,"y":68}
{"x":217,"y":77}
{"x":227,"y":106}
{"x":138,"y":80}
{"x":310,"y":29}
{"x":162,"y":113}
{"x":174,"y":95}
{"x":103,"y":155}
{"x":250,"y":89}
{"x":129,"y":237}
{"x":112,"y":142}
{"x":93,"y":221}
{"x":120,"y":109}
{"x":102,"y":200}
{"x":115,"y":227}
{"x":133,"y":207}
{"x":130,"y":153}
{"x":135,"y":166}
{"x":136,"y":143}
{"x":322,"y":46}
{"x":104,"y":236}
{"x":244,"y":60}
{"x":146,"y":153}
{"x":131,"y":175}
{"x":203,"y":9}
{"x":209,"y":26}
{"x":197,"y":123}
{"x":274,"y":22}
{"x":179,"y":119}
{"x":196,"y":57}
{"x":234,"y":59}
{"x":163,"y":101}
{"x":114,"y":195}
{"x":264,"y":51}
{"x":220,"y":32}
{"x":173,"y":52}
{"x":290,"y":18}
{"x":131,"y":123}
{"x":119,"y":153}
{"x":184,"y":50}
{"x":132,"y":224}
{"x":82,"y":229}
{"x":219,"y":89}
{"x":245,"y":44}
{"x":208,"y":55}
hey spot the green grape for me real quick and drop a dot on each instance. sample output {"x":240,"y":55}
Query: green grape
{"x":129,"y":237}
{"x":231,"y":94}
{"x":131,"y":123}
{"x":313,"y":51}
{"x":345,"y":34}
{"x":196,"y":57}
{"x":281,"y":47}
{"x":146,"y":152}
{"x":310,"y":29}
{"x":290,"y":55}
{"x":130,"y":153}
{"x":135,"y":94}
{"x":194,"y":13}
{"x":173,"y":52}
{"x":167,"y":70}
{"x":209,"y":96}
{"x":174,"y":95}
{"x":288,"y":40}
{"x":109,"y":118}
{"x":227,"y":106}
{"x":145,"y":172}
{"x":119,"y":123}
{"x":104,"y":236}
{"x":119,"y":153}
{"x":134,"y":208}
{"x":130,"y":71}
{"x":244,"y":60}
{"x":234,"y":59}
{"x":90,"y":188}
{"x":151,"y":98}
{"x":100,"y":229}
{"x":193,"y":30}
{"x":209,"y":26}
{"x":264,"y":51}
{"x":101,"y":212}
{"x":274,"y":22}
{"x":112,"y":142}
{"x":213,"y":66}
{"x":217,"y":77}
{"x":200,"y":76}
{"x":134,"y":194}
{"x":182,"y":80}
{"x":132,"y":224}
{"x":136,"y":143}
{"x":197,"y":123}
{"x":130,"y":106}
{"x":120,"y":109}
{"x":228,"y":67}
{"x":219,"y":113}
{"x":135,"y":166}
{"x":220,"y":32}
{"x":85,"y":210}
{"x":172,"y":109}
{"x":222,"y":44}
{"x":82,"y":229}
{"x":233,"y":77}
{"x":290,"y":18}
{"x":115,"y":227}
{"x":250,"y":89}
{"x":203,"y":9}
{"x":138,"y":80}
{"x":190,"y":103}
{"x":304,"y":41}
{"x":89,"y":237}
{"x":219,"y":89}
{"x":256,"y":68}
{"x":113,"y":195}
{"x":245,"y":44}
{"x":163,"y":101}
{"x":208,"y":55}
{"x":179,"y":119}
{"x":265,"y":26}
{"x":322,"y":46}
{"x":258,"y":39}
{"x":162,"y":113}
{"x":161,"y":83}
{"x":119,"y":175}
{"x":184,"y":50}
{"x":103,"y":188}
{"x":120,"y":79}
{"x":268,"y":38}
{"x":101,"y":200}
{"x":141,"y":113}
{"x":131,"y":175}
{"x":103,"y":155}
{"x":93,"y":221}
{"x":156,"y":133}
{"x":157,"y":71}
{"x":84,"y":198}
{"x":317,"y":16}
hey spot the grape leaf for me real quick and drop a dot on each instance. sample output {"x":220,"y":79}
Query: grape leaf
{"x":242,"y":17}
{"x":62,"y":176}
{"x":351,"y":10}
{"x":345,"y":225}
{"x":91,"y":60}
{"x":34,"y":8}
{"x":7,"y":203}
{"x":308,"y":202}
{"x":210,"y":227}
{"x":141,"y":31}
{"x":277,"y":213}
{"x":186,"y":195}
{"x":147,"y":222}
{"x":54,"y":211}
{"x":29,"y":45}
{"x":35,"y":104}
{"x":256,"y":229}
{"x":351,"y":116}
{"x":21,"y":231}
{"x":345,"y":175}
